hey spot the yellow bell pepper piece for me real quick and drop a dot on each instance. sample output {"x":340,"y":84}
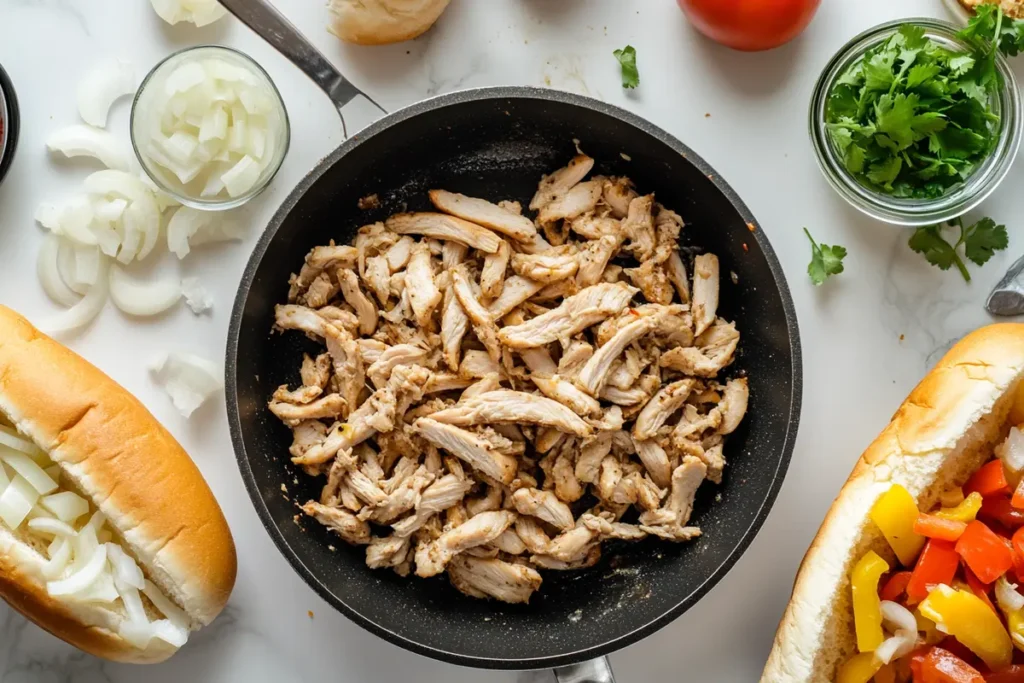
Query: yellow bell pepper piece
{"x":1016,"y":623}
{"x":859,"y":668}
{"x":867,"y":606}
{"x":926,"y":627}
{"x":966,"y":511}
{"x":967,"y":618}
{"x":895,"y":513}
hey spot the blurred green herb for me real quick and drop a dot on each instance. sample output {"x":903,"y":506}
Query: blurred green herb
{"x":825,"y":262}
{"x":627,"y":60}
{"x":980,"y":241}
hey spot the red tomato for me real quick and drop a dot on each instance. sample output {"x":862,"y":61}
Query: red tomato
{"x":750,"y":24}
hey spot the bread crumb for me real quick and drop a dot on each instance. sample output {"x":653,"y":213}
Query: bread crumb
{"x":370,"y":201}
{"x":310,"y":613}
{"x":751,"y":227}
{"x":707,"y":115}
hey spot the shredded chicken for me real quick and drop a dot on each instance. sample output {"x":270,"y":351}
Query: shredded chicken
{"x":498,"y":389}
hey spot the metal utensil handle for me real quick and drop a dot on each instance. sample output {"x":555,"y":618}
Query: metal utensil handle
{"x":594,"y":671}
{"x":268,"y":23}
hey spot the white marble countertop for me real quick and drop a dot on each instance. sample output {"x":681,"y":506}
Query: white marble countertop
{"x":868,"y":335}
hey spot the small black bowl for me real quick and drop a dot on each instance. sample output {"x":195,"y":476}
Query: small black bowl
{"x":10,"y":123}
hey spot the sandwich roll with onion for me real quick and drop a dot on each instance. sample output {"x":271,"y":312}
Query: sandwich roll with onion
{"x":110,"y":539}
{"x":917,"y":573}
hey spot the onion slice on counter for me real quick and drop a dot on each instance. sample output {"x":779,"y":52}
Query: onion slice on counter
{"x":140,"y":298}
{"x":49,"y":273}
{"x":199,"y":12}
{"x":83,"y":312}
{"x":108,"y":81}
{"x":196,"y":296}
{"x":189,"y":228}
{"x":189,"y":380}
{"x":79,"y":140}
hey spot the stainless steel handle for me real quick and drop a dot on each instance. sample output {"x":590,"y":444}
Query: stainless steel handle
{"x":1008,"y":296}
{"x":594,"y":671}
{"x":268,"y":23}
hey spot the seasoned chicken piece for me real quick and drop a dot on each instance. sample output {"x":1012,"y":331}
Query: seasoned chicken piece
{"x":401,"y":354}
{"x":432,"y":559}
{"x":509,"y":542}
{"x":626,"y":491}
{"x":487,"y":383}
{"x":472,"y":449}
{"x":561,"y":181}
{"x":443,"y":227}
{"x":370,"y":350}
{"x":446,"y":381}
{"x":513,"y":406}
{"x":364,"y":307}
{"x":406,"y":466}
{"x":652,"y":280}
{"x":492,"y":275}
{"x":493,"y":578}
{"x":705,"y":292}
{"x":594,"y":374}
{"x":320,"y":291}
{"x":454,"y":325}
{"x":452,"y":254}
{"x":478,"y":364}
{"x":532,"y":534}
{"x":336,"y":489}
{"x":317,"y":261}
{"x":299,"y":397}
{"x":419,"y":279}
{"x":567,"y":486}
{"x":575,"y":202}
{"x":444,"y":493}
{"x":693,"y":424}
{"x":558,"y":264}
{"x":515,"y":291}
{"x":592,"y":453}
{"x":594,"y":258}
{"x":315,"y":373}
{"x":733,"y":405}
{"x":330,"y":406}
{"x":491,"y":500}
{"x":609,"y":477}
{"x":574,"y":357}
{"x":676,"y":272}
{"x":378,"y":277}
{"x":617,"y":530}
{"x":371,"y":240}
{"x":343,"y":523}
{"x":390,"y":551}
{"x":305,"y":435}
{"x":545,"y":506}
{"x":578,"y":312}
{"x":544,"y":374}
{"x":685,"y":480}
{"x":301,"y":318}
{"x":347,"y":362}
{"x":617,"y":194}
{"x":638,"y":226}
{"x":547,"y":440}
{"x":610,"y":420}
{"x":366,"y":489}
{"x":592,"y":557}
{"x":402,"y":499}
{"x":556,"y":291}
{"x":572,"y":545}
{"x":483,"y":323}
{"x":482,"y":212}
{"x":714,"y":350}
{"x":594,"y":227}
{"x":627,"y":371}
{"x":655,"y":459}
{"x":660,"y":408}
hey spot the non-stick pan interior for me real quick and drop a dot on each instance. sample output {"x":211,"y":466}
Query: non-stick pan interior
{"x":496,"y":144}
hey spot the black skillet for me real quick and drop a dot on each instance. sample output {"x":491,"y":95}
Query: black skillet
{"x":496,"y":143}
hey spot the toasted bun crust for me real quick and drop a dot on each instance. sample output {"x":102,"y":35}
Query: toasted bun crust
{"x":118,"y":455}
{"x":942,"y":433}
{"x":377,"y":22}
{"x":1011,"y":8}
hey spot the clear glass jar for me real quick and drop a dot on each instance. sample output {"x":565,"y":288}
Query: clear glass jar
{"x":915,"y":212}
{"x":147,"y":109}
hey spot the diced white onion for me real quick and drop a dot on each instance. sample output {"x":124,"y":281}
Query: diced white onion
{"x":83,"y":312}
{"x":173,"y":613}
{"x":102,"y":590}
{"x":109,"y":210}
{"x":33,"y":473}
{"x":85,"y":141}
{"x":190,"y":227}
{"x":163,"y":200}
{"x":189,"y":380}
{"x":894,"y":647}
{"x":107,"y":238}
{"x":66,"y":267}
{"x":59,"y":559}
{"x":196,"y":296}
{"x":199,"y":12}
{"x":141,"y":298}
{"x":1011,"y":452}
{"x":53,"y":471}
{"x":49,"y":525}
{"x":241,"y":177}
{"x":897,"y":617}
{"x":16,"y":502}
{"x":1007,"y":596}
{"x":49,"y":273}
{"x":132,"y":602}
{"x":81,"y":579}
{"x":66,"y":505}
{"x":101,"y":87}
{"x":12,"y":439}
{"x":126,"y":570}
{"x":95,"y":522}
{"x":48,"y":215}
{"x":75,"y":220}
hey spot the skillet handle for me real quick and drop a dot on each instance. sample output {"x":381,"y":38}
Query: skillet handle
{"x":594,"y":671}
{"x":268,"y":23}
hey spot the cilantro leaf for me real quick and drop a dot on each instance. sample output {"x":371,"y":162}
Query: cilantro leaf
{"x":983,"y":239}
{"x":929,"y":242}
{"x":980,"y":241}
{"x":627,"y":62}
{"x":895,"y":115}
{"x":961,"y":64}
{"x":922,"y":73}
{"x":878,"y":73}
{"x":825,"y":262}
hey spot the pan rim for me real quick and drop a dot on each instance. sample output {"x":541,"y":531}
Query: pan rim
{"x":234,"y":416}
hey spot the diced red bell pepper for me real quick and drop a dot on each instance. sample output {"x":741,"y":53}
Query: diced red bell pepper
{"x":895,"y":586}
{"x":978,"y":588}
{"x":1014,"y":674}
{"x":951,"y":644}
{"x":1017,"y":500}
{"x":937,"y":564}
{"x":999,"y":509}
{"x":989,"y":480}
{"x":938,"y":527}
{"x":984,"y":552}
{"x":942,"y":666}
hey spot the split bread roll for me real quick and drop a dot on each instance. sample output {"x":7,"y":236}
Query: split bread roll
{"x":148,"y":509}
{"x":378,"y":22}
{"x":942,"y":433}
{"x":1011,"y":8}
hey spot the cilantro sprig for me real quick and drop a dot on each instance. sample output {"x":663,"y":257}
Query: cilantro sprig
{"x":627,"y":62}
{"x":979,"y":241}
{"x":825,"y":262}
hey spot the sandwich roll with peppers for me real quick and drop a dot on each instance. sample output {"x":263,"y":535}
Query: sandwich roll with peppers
{"x":917,"y":573}
{"x":109,"y":537}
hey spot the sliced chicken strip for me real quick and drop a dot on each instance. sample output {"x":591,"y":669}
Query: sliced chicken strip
{"x":364,"y":307}
{"x":483,"y":212}
{"x":547,"y":267}
{"x":547,"y":440}
{"x":617,"y":194}
{"x":592,"y":557}
{"x":609,"y":477}
{"x":478,"y":364}
{"x":491,"y":382}
{"x":330,"y":406}
{"x":493,"y":578}
{"x":649,"y":494}
{"x":638,"y":226}
{"x":572,"y":545}
{"x":669,"y":319}
{"x":626,"y":372}
{"x":592,"y":453}
{"x":320,"y":292}
{"x":653,"y":281}
{"x":705,"y":292}
{"x":390,"y":551}
{"x":676,"y":271}
{"x":399,"y":253}
{"x":594,"y":374}
{"x":402,"y":499}
{"x":438,"y":497}
{"x":509,"y":542}
{"x":419,"y":281}
{"x":544,"y":374}
{"x":514,"y":406}
{"x":716,"y":348}
{"x":616,"y":530}
{"x":317,"y":261}
{"x":432,"y":559}
{"x":343,"y":523}
{"x":454,"y":325}
{"x":692,"y":424}
{"x":483,"y":323}
{"x":488,"y":502}
{"x":660,"y":408}
{"x":578,"y":312}
{"x":554,"y":292}
{"x":400,"y":354}
{"x":685,"y":480}
{"x":545,"y":506}
{"x":655,"y":459}
{"x":366,"y":489}
{"x":492,"y":275}
{"x":378,"y":277}
{"x":595,"y":227}
{"x":370,"y":350}
{"x":443,"y":227}
{"x":532,"y":535}
{"x":575,"y":202}
{"x":300,"y":318}
{"x":470,"y":448}
{"x":306,"y":435}
{"x":299,"y":397}
{"x":315,"y":373}
{"x":515,"y":291}
{"x":594,"y":259}
{"x":574,"y":358}
{"x":446,"y":381}
{"x":733,"y":405}
{"x":561,"y":181}
{"x":567,"y":486}
{"x":336,"y":489}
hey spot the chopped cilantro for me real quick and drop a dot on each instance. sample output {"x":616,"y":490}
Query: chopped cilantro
{"x":627,"y":60}
{"x":825,"y":260}
{"x":980,"y":241}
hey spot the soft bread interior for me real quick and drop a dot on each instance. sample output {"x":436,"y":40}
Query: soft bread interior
{"x":946,"y":429}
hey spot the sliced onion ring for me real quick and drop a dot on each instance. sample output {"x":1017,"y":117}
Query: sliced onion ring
{"x":142,"y":299}
{"x":79,"y":140}
{"x":83,"y":312}
{"x":49,"y":525}
{"x":101,"y":87}
{"x":49,"y":273}
{"x":81,"y":579}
